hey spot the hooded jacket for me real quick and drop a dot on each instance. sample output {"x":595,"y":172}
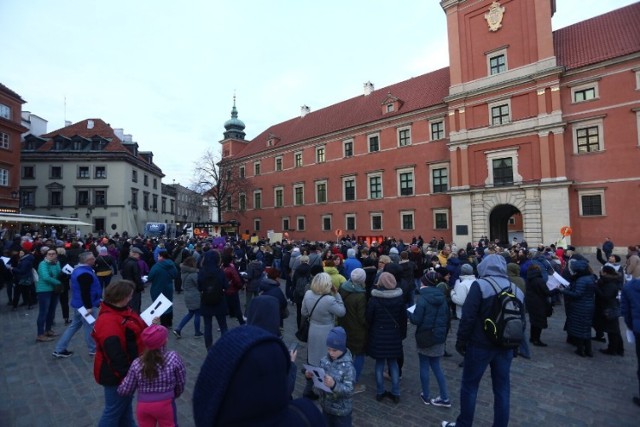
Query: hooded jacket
{"x":161,"y":276}
{"x":340,"y":401}
{"x":354,"y":321}
{"x":432,"y":312}
{"x":479,"y":301}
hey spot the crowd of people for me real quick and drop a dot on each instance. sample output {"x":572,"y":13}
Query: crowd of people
{"x":358,"y":298}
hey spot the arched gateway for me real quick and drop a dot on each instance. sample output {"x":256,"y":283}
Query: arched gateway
{"x":499,"y":222}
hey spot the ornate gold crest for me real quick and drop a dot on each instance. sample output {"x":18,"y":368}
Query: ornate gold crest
{"x":494,"y":16}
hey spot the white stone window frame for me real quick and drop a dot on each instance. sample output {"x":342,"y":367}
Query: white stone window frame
{"x":399,"y":131}
{"x":582,"y":87}
{"x":344,"y":148}
{"x":295,"y":201}
{"x":637,"y":74}
{"x":4,"y":177}
{"x":326,"y":191}
{"x":304,"y":223}
{"x":275,"y":163}
{"x":592,"y":192}
{"x":444,"y":129}
{"x":5,"y":111}
{"x":413,"y":181}
{"x":347,"y":217}
{"x":344,"y":189}
{"x":375,"y":175}
{"x":242,"y":202}
{"x":257,"y":168}
{"x":413,"y":219}
{"x":495,"y":54}
{"x":440,"y":212}
{"x":257,"y":223}
{"x":4,"y":140}
{"x":321,"y":154}
{"x":257,"y":193}
{"x":323,"y":218}
{"x":376,"y":214}
{"x":242,"y":171}
{"x":275,"y":196}
{"x":576,"y":126}
{"x":295,"y":159}
{"x":496,"y":104}
{"x":501,"y":154}
{"x":435,"y":166}
{"x":369,"y":137}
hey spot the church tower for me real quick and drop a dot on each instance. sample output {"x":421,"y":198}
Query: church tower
{"x":234,"y":134}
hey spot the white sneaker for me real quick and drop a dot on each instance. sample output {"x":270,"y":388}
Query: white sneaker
{"x":448,"y":424}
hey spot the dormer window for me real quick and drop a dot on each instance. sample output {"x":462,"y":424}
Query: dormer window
{"x":391,"y":104}
{"x":389,"y":108}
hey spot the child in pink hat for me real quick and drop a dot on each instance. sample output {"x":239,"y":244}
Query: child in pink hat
{"x":159,"y":376}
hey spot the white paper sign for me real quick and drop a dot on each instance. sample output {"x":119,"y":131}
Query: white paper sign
{"x":556,"y":281}
{"x":412,"y":309}
{"x":86,"y":315}
{"x":145,"y":279}
{"x":6,"y":260}
{"x":318,"y":377}
{"x":67,"y":269}
{"x":156,"y":309}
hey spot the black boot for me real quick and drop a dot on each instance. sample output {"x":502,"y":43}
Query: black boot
{"x":580,"y":348}
{"x":587,"y":348}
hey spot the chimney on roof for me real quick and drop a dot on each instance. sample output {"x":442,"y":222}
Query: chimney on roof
{"x":67,"y":123}
{"x":127,"y":138}
{"x":304,"y":110}
{"x":119,"y":132}
{"x":368,"y":88}
{"x":89,"y":124}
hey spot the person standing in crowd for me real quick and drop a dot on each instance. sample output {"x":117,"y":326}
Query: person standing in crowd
{"x":241,"y":367}
{"x":461,"y":287}
{"x":48,"y":272}
{"x":63,"y":259}
{"x":632,"y":267}
{"x":478,"y":351}
{"x":86,"y":291}
{"x":23,"y":279}
{"x":336,"y":278}
{"x":537,"y":303}
{"x":326,"y":303}
{"x":431,"y":317}
{"x":255,"y":271}
{"x":301,"y":282}
{"x":339,"y":376}
{"x":630,"y":310}
{"x":607,"y":247}
{"x":131,"y":271}
{"x":387,"y":319}
{"x":159,"y":376}
{"x":354,"y":322}
{"x":270,"y":285}
{"x":210,"y":272}
{"x":232,"y":293}
{"x":351,"y":263}
{"x":189,"y":273}
{"x":105,"y":266}
{"x":607,"y":310}
{"x":117,"y":333}
{"x":580,"y":306}
{"x":161,"y":277}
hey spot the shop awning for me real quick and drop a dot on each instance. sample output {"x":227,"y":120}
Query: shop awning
{"x":41,"y":219}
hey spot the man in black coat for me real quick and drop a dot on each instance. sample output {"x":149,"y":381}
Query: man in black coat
{"x":131,"y":271}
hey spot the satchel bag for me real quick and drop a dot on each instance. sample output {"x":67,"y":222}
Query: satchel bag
{"x":104,"y":273}
{"x":303,"y":332}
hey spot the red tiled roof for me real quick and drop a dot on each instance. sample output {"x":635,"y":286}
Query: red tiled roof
{"x":415,"y":93}
{"x":9,"y":92}
{"x":598,"y":39}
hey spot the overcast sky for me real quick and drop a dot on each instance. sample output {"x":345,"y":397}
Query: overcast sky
{"x":166,"y":71}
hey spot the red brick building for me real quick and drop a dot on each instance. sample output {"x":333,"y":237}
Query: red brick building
{"x":10,"y":130}
{"x":525,"y":123}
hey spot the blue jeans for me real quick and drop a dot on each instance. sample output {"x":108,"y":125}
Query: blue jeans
{"x":434,"y":363}
{"x":394,"y":372}
{"x":358,"y":364}
{"x":118,"y":410}
{"x":78,"y":322}
{"x":337,"y":420}
{"x":476,"y":361}
{"x":196,"y":321}
{"x":47,"y":302}
{"x":524,"y":349}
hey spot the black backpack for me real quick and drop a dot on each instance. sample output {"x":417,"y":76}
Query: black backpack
{"x":212,"y":292}
{"x":302,"y":284}
{"x":505,"y":325}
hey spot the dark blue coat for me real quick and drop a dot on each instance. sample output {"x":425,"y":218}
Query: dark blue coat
{"x":432,"y":312}
{"x":580,"y":297}
{"x":387,"y":319}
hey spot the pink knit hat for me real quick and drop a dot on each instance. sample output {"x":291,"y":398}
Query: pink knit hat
{"x":154,"y":337}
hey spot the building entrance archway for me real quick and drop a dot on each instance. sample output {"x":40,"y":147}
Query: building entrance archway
{"x":499,"y":222}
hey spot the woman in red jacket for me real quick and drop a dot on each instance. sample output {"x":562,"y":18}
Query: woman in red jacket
{"x":117,"y":333}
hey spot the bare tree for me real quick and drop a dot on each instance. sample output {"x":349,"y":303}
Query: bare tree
{"x":220,"y":185}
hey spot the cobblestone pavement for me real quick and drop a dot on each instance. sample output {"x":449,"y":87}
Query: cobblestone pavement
{"x":554,"y":388}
